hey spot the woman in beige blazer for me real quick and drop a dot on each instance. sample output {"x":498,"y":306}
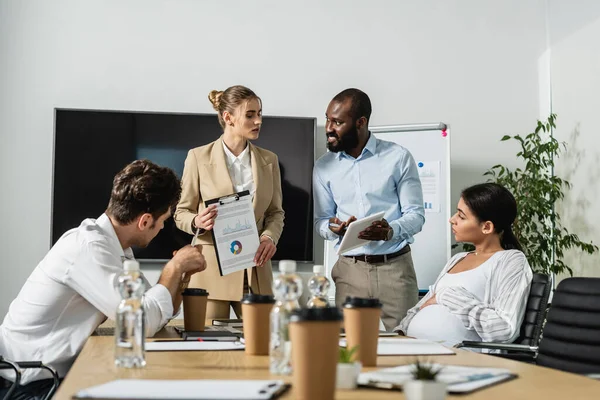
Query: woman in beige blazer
{"x":228,"y":165}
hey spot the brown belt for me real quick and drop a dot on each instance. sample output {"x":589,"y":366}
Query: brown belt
{"x":380,"y":258}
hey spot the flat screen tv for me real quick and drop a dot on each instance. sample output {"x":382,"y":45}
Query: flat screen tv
{"x":91,"y":146}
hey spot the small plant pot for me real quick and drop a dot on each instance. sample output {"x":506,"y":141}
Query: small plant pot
{"x":347,"y":375}
{"x":424,"y":390}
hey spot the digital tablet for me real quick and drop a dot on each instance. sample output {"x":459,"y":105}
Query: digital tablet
{"x":350,"y":240}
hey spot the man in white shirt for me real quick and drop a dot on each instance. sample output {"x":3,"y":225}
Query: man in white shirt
{"x":72,"y":290}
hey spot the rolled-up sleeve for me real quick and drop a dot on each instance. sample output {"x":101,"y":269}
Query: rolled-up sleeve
{"x":94,"y":275}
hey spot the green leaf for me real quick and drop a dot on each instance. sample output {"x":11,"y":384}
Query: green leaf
{"x":504,"y":138}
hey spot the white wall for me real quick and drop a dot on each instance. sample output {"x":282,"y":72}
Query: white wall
{"x":468,"y":63}
{"x":575,"y":75}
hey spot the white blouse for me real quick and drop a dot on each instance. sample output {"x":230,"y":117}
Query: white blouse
{"x":496,"y":317}
{"x":240,"y":170}
{"x":437,"y":323}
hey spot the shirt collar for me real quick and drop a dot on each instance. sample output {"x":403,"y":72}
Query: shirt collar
{"x":370,"y":146}
{"x":106,"y":225}
{"x":244,"y":156}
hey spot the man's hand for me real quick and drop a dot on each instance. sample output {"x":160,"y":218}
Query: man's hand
{"x":429,"y":302}
{"x":338,"y":226}
{"x":189,"y":259}
{"x":266,"y":250}
{"x":206,"y":219}
{"x":378,"y":230}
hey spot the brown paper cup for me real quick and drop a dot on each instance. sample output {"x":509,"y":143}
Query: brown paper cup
{"x":194,"y":309}
{"x":315,"y":349}
{"x":256,"y":311}
{"x":361,"y":323}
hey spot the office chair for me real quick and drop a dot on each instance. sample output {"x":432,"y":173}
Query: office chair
{"x":571,"y":337}
{"x":18,"y":366}
{"x":531,"y":327}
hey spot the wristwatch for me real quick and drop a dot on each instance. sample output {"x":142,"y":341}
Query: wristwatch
{"x":390,"y":234}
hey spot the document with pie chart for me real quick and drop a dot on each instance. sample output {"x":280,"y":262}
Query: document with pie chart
{"x":235,"y":234}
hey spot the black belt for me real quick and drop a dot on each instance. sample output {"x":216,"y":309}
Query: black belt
{"x":379,"y":258}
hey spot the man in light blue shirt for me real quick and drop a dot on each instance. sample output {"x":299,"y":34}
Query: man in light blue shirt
{"x":360,"y":176}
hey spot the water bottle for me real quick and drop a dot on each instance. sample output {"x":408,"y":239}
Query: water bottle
{"x":129,"y":327}
{"x":318,"y":286}
{"x":287,"y":288}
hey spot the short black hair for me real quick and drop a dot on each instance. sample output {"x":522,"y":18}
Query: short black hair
{"x":360,"y":102}
{"x":143,"y":187}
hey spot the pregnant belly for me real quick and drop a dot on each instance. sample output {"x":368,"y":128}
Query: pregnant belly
{"x":436,"y":323}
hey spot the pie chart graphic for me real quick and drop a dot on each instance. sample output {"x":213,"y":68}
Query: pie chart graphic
{"x":236,"y":247}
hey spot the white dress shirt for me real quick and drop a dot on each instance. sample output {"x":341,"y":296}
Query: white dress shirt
{"x":70,"y":292}
{"x":240,"y":170}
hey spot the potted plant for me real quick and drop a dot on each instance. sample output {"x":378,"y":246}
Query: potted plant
{"x":424,"y":386}
{"x":347,"y":369}
{"x":537,"y":191}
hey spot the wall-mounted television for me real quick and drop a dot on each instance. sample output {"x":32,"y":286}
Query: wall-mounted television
{"x":91,"y":146}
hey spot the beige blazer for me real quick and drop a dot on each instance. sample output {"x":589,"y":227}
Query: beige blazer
{"x":205,"y":177}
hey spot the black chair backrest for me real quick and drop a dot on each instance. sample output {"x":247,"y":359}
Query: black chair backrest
{"x":571,"y":337}
{"x":535,"y":310}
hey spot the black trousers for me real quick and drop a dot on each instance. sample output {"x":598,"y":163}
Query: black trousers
{"x":35,"y":390}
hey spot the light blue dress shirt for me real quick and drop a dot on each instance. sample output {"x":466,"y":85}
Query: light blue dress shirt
{"x":383,"y":178}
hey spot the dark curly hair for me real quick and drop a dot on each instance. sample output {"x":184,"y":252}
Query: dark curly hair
{"x":143,"y":187}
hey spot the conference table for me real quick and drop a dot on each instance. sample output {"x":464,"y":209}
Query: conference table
{"x":95,"y":365}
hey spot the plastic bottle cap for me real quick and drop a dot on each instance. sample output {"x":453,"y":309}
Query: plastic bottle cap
{"x":131,"y":265}
{"x":319,"y":269}
{"x":287,"y":266}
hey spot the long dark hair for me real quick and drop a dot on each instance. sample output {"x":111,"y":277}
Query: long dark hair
{"x":493,"y":202}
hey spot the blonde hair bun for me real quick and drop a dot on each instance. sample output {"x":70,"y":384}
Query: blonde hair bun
{"x":215,"y":98}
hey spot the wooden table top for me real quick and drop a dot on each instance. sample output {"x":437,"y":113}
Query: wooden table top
{"x":95,"y":365}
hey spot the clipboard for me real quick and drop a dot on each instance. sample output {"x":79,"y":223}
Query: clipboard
{"x":154,"y":389}
{"x":235,"y":234}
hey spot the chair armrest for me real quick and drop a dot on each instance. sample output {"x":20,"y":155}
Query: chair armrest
{"x":6,"y":364}
{"x":30,"y":364}
{"x":498,"y":346}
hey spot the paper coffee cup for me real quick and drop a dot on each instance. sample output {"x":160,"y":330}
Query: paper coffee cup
{"x":361,"y":323}
{"x":194,"y":309}
{"x":314,"y":333}
{"x":256,"y":312}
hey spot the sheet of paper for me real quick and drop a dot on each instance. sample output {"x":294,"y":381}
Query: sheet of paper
{"x":183,"y":389}
{"x":184,"y":345}
{"x":236,"y":234}
{"x":429,"y":173}
{"x":460,"y":379}
{"x":407,"y":347}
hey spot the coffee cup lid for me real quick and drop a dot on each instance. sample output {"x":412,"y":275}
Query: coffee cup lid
{"x":360,"y":302}
{"x":195,"y":292}
{"x":316,"y":314}
{"x":253,"y":298}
